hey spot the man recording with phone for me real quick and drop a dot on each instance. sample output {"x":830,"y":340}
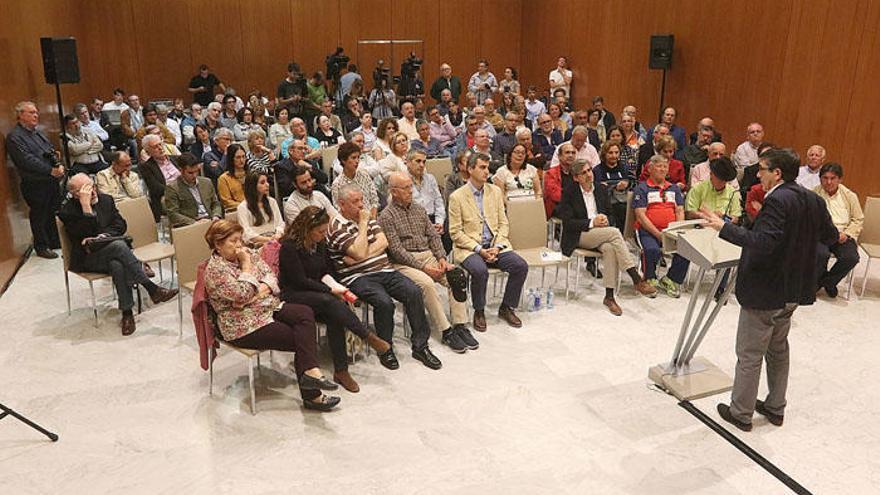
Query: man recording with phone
{"x":41,"y":171}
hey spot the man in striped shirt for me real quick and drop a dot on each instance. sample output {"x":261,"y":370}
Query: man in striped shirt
{"x":357,"y":247}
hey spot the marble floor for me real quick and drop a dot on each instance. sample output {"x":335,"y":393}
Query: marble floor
{"x":562,"y":405}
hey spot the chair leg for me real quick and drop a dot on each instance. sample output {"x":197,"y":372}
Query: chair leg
{"x":161,"y":277}
{"x":94,"y":302}
{"x":67,"y":289}
{"x":578,"y":261}
{"x":865,"y":278}
{"x":179,"y":314}
{"x":849,"y":284}
{"x":259,"y":373}
{"x":211,"y":355}
{"x":251,"y":383}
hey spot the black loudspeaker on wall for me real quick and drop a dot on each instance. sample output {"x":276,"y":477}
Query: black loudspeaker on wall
{"x":661,"y":51}
{"x":60,"y":63}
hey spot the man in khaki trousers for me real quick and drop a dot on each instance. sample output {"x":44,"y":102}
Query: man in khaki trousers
{"x":415,"y":248}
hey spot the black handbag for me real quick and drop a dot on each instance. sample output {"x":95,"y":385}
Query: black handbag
{"x":94,"y":244}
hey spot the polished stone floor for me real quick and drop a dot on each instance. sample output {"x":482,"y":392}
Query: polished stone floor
{"x":562,"y":405}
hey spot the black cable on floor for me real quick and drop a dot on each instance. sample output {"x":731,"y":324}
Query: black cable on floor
{"x":745,"y":449}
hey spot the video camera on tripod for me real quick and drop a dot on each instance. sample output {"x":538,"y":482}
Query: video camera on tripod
{"x":381,"y":75}
{"x":410,"y":85}
{"x":335,"y":62}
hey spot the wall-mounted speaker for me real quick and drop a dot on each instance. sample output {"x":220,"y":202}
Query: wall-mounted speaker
{"x":60,"y":63}
{"x":661,"y":51}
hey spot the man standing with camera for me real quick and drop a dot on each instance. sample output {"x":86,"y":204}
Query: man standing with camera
{"x":40,"y":169}
{"x":292,"y":91}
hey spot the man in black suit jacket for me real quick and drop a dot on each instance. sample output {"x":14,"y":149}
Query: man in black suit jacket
{"x":777,"y":272}
{"x":584,"y":210}
{"x":88,"y":215}
{"x":152,"y":173}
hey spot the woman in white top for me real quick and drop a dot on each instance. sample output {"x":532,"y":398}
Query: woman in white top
{"x":509,"y":83}
{"x":393,"y":162}
{"x":517,"y":178}
{"x":385,"y":132}
{"x":258,"y":214}
{"x":280,"y":130}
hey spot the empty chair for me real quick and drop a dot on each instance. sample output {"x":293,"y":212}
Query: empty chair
{"x":143,"y":232}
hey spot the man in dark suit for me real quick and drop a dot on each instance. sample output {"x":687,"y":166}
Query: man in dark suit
{"x":777,"y":273}
{"x":191,"y":198}
{"x":155,"y":170}
{"x":585,"y":211}
{"x":89,"y":216}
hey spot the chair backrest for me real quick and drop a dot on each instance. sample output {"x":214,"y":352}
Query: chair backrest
{"x":439,"y":168}
{"x":139,"y":217}
{"x":328,"y":155}
{"x":871,"y":229}
{"x":629,"y":232}
{"x":232,"y":216}
{"x":528,"y":223}
{"x":190,"y":249}
{"x":65,"y":243}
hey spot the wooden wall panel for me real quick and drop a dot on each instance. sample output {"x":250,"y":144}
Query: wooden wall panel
{"x":267,"y":45}
{"x":160,"y":45}
{"x":215,"y":38}
{"x":107,"y":53}
{"x":500,"y":27}
{"x":460,"y":39}
{"x":316,"y":26}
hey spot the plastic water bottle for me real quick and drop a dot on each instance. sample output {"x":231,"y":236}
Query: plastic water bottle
{"x":537,"y":300}
{"x":548,"y":300}
{"x":530,"y":300}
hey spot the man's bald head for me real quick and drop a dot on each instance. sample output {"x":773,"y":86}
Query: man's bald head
{"x":76,"y":182}
{"x":401,"y":188}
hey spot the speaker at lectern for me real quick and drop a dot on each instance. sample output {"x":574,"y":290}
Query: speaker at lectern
{"x":685,"y":376}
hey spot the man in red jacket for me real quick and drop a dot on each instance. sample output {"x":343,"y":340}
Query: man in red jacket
{"x":558,"y":178}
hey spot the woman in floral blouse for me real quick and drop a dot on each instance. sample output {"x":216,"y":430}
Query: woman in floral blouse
{"x":243,"y":292}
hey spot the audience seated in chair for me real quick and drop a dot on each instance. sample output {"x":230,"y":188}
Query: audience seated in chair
{"x":846,"y":214}
{"x":230,"y":185}
{"x":157,"y":172}
{"x":259,"y":214}
{"x":349,"y":156}
{"x":118,"y":181}
{"x":190,"y":198}
{"x":357,"y":246}
{"x":808,"y":174}
{"x":305,"y":194}
{"x":415,"y":248}
{"x":675,"y":169}
{"x":304,"y":264}
{"x":243,"y":292}
{"x":558,"y":178}
{"x":89,"y":216}
{"x":215,"y":159}
{"x":586,"y":213}
{"x":656,"y":204}
{"x":479,"y":227}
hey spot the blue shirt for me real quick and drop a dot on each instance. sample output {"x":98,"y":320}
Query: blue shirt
{"x":310,"y":141}
{"x":487,"y":233}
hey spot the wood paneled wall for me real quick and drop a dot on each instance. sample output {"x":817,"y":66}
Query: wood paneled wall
{"x":152,"y":47}
{"x":807,"y":71}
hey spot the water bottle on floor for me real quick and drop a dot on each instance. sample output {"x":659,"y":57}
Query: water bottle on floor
{"x":548,"y":299}
{"x":530,"y":300}
{"x":537,"y":300}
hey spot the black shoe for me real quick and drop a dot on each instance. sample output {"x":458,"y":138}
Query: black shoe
{"x":593,"y":268}
{"x":46,"y":253}
{"x":427,"y":358}
{"x":329,"y":402}
{"x":457,"y":280}
{"x":663,"y":262}
{"x":774,"y":419}
{"x":724,"y":411}
{"x":831,"y":291}
{"x":389,"y":360}
{"x":307,"y":382}
{"x":453,"y":340}
{"x":465,"y":335}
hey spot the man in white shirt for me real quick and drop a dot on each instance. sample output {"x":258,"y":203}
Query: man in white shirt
{"x":585,"y":150}
{"x":118,"y":180}
{"x":747,"y":152}
{"x":81,"y":111}
{"x":136,"y":112}
{"x":118,"y":102}
{"x":440,"y":128}
{"x":534,"y":107}
{"x":425,"y":190}
{"x":407,"y":123}
{"x":305,"y":195}
{"x":480,"y":114}
{"x":367,"y":162}
{"x":560,"y":77}
{"x":808,"y":175}
{"x":171,"y":124}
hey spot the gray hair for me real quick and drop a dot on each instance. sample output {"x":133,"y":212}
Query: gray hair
{"x":150,"y":140}
{"x":346,"y":190}
{"x":472,"y":160}
{"x":579,"y":129}
{"x":19,"y":107}
{"x":522,"y":131}
{"x":161,"y":108}
{"x":578,"y":166}
{"x":78,"y":108}
{"x":658,"y":159}
{"x":223,"y":132}
{"x":73,"y":182}
{"x":214,"y":105}
{"x":421,"y":122}
{"x":352,"y":134}
{"x":413,"y":153}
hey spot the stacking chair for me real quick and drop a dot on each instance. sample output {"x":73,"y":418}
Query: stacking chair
{"x":145,"y":236}
{"x":232,"y":216}
{"x":439,"y":168}
{"x":90,"y":277}
{"x":869,"y":240}
{"x":190,"y":249}
{"x":328,"y":156}
{"x":528,"y":234}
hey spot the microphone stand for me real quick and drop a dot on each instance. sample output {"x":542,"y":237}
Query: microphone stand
{"x":5,"y":411}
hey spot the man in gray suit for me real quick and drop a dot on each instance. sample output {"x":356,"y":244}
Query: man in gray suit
{"x":191,"y":198}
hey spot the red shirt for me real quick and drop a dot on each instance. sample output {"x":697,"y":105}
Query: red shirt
{"x":659,"y":201}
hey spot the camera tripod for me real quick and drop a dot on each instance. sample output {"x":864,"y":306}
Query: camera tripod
{"x":5,"y":411}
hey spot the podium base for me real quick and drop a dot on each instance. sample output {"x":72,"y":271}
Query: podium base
{"x":700,"y":379}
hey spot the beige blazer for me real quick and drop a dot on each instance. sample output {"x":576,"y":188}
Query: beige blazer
{"x":466,"y":223}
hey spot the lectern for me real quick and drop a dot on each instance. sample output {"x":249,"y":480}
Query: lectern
{"x":685,"y":376}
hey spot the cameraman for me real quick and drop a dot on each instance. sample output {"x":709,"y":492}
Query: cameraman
{"x":383,"y":101}
{"x":40,"y":169}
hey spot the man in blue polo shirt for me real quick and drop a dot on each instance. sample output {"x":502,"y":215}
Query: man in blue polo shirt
{"x":657,"y":203}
